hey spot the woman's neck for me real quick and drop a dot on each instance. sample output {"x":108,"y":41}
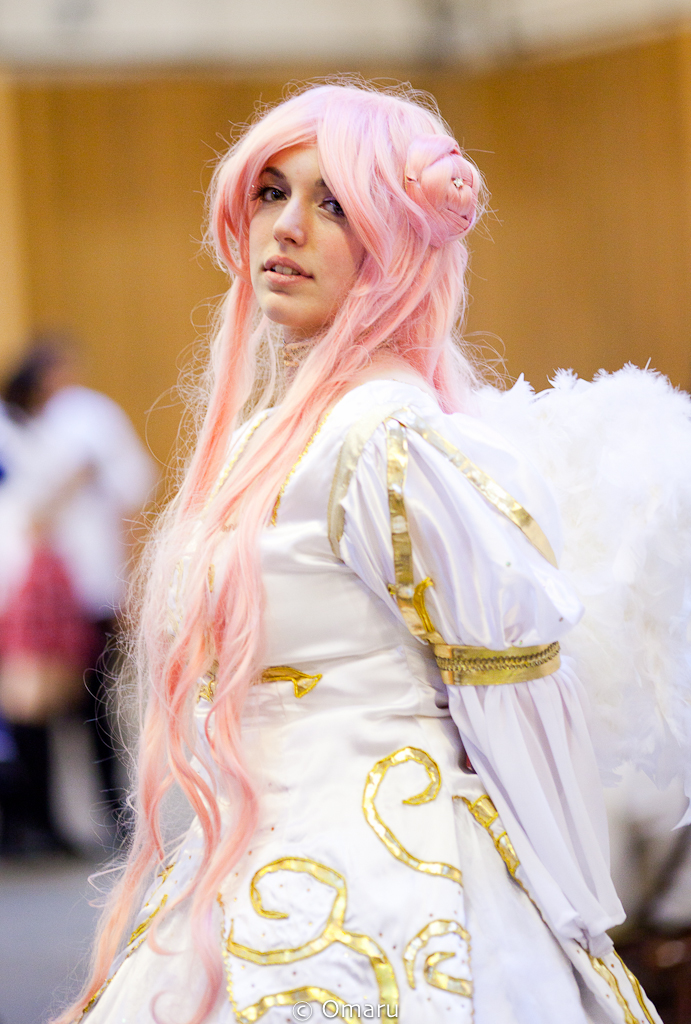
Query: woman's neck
{"x":389,"y":367}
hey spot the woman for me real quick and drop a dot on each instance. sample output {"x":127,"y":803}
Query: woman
{"x":354,"y":676}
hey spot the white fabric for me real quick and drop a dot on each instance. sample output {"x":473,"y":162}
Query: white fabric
{"x":80,"y":430}
{"x":379,"y":694}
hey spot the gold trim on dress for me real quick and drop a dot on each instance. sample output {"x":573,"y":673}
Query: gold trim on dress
{"x":461,"y":986}
{"x":459,"y":665}
{"x":302,"y":682}
{"x":207,"y":689}
{"x":136,"y":939}
{"x":393,"y":845}
{"x":277,"y":503}
{"x":601,"y":968}
{"x":410,"y":599}
{"x":361,"y":432}
{"x":309,"y":994}
{"x":447,"y":982}
{"x":479,"y":666}
{"x":332,"y":932}
{"x":140,"y":929}
{"x":485,"y":813}
{"x":349,"y":456}
{"x":637,"y":988}
{"x":492,"y":491}
{"x":235,"y":455}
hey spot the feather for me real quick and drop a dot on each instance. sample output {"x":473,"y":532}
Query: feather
{"x":617,"y":453}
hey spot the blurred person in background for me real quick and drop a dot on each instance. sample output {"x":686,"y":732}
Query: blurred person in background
{"x":80,"y":473}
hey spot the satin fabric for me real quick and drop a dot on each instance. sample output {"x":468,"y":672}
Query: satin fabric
{"x":349,"y":867}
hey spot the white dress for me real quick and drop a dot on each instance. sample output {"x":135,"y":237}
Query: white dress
{"x":386,"y":879}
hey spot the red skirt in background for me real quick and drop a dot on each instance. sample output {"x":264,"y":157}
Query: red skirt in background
{"x":46,"y":643}
{"x":44,"y":617}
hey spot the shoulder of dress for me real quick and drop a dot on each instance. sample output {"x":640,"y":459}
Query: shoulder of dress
{"x":442,"y":433}
{"x":357,"y":435}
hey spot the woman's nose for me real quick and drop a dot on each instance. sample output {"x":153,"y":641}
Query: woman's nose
{"x":291,"y":224}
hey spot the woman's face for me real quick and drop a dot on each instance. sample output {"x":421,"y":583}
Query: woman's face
{"x":303,"y":253}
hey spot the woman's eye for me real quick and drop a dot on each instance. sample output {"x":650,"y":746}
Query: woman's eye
{"x":269,"y":194}
{"x":333,"y":206}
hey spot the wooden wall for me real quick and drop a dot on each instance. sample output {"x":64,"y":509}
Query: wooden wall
{"x":14,"y":311}
{"x":588,"y":264}
{"x":588,"y":163}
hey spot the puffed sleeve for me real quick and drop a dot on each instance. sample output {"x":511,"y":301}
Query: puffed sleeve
{"x":528,"y":741}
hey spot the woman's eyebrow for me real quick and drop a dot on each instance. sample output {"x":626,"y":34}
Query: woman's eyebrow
{"x":319,"y":183}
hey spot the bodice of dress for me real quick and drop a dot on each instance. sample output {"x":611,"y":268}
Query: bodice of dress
{"x":490,"y":588}
{"x":331,"y":613}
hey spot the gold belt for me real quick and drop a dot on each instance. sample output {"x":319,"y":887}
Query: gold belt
{"x":478,"y":666}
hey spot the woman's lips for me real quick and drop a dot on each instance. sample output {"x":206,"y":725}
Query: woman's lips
{"x":276,"y":280}
{"x":282,"y":271}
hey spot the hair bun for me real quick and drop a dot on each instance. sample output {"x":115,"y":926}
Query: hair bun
{"x":444,"y":184}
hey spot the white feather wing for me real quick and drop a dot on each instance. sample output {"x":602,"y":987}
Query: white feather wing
{"x":617,"y":452}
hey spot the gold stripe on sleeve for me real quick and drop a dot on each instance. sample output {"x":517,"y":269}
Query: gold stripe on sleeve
{"x":349,"y":456}
{"x":493,"y":492}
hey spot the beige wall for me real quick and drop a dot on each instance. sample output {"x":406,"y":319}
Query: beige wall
{"x":588,"y":161}
{"x":13,"y":297}
{"x":588,"y":164}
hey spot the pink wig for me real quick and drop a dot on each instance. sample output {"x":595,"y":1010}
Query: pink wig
{"x":410,"y":196}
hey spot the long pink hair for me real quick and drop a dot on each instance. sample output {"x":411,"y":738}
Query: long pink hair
{"x":410,"y":196}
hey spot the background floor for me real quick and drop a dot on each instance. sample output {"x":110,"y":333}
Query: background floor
{"x":45,"y":925}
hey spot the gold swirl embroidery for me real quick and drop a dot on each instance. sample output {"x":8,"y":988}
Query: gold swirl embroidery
{"x":302,"y":682}
{"x":604,"y":971}
{"x":250,"y":1014}
{"x":274,"y":513}
{"x":460,"y":986}
{"x":310,"y":994}
{"x":636,"y":986}
{"x":333,"y":930}
{"x":484,"y":812}
{"x":374,"y":781}
{"x":421,"y":607}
